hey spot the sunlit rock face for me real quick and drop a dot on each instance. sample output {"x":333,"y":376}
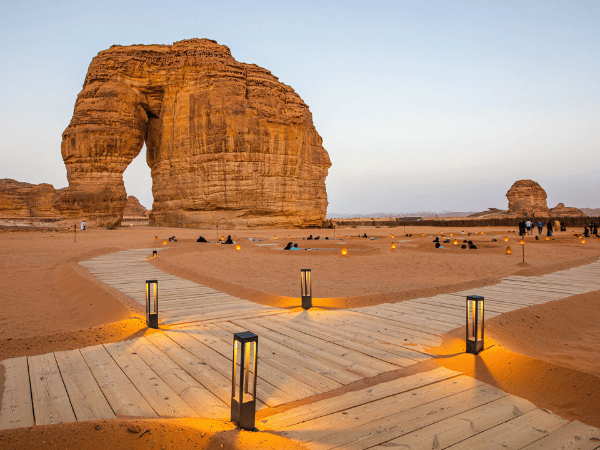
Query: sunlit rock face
{"x":527,"y":197}
{"x":226,"y":142}
{"x":18,"y":199}
{"x":134,"y":208}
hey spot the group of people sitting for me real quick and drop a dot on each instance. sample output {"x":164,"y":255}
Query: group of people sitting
{"x":228,"y":241}
{"x":172,"y":239}
{"x":311,"y":238}
{"x":289,"y":246}
{"x":466,"y":243}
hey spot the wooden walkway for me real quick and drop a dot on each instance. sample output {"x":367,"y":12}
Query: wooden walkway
{"x":186,"y":371}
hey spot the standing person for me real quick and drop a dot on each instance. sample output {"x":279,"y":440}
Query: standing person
{"x":540,"y":227}
{"x":528,"y":226}
{"x":521,"y":228}
{"x":549,"y":228}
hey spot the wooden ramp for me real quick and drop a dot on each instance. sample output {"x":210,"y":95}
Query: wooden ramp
{"x":186,"y":371}
{"x":180,"y":301}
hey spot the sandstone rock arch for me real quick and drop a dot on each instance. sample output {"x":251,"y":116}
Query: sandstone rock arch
{"x":224,"y":139}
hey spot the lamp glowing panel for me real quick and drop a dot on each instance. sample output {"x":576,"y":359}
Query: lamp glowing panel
{"x":344,"y":251}
{"x":393,"y":246}
{"x":392,"y":236}
{"x":547,"y":238}
{"x":164,"y":242}
{"x":275,"y":237}
{"x":508,"y":250}
{"x":583,"y":241}
{"x":156,"y":238}
{"x":474,"y":324}
{"x":505,"y":238}
{"x":238,"y":247}
{"x":522,"y":241}
{"x":455,"y":242}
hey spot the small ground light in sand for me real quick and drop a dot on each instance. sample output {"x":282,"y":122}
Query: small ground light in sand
{"x":508,"y":250}
{"x":156,"y":238}
{"x":164,"y":242}
{"x":522,"y":242}
{"x":474,"y":337}
{"x":306,"y":288}
{"x":391,"y":235}
{"x":222,"y":238}
{"x":505,"y":238}
{"x":275,"y":237}
{"x":288,"y":236}
{"x":455,"y":242}
{"x":583,"y":241}
{"x":152,"y":303}
{"x":243,"y":395}
{"x":154,"y":253}
{"x":238,"y":247}
{"x":344,"y":251}
{"x":547,"y":238}
{"x":393,"y":246}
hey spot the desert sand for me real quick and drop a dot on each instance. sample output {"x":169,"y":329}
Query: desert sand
{"x":547,"y":353}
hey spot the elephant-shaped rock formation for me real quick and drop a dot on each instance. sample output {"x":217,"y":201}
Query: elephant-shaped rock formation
{"x":227,"y":143}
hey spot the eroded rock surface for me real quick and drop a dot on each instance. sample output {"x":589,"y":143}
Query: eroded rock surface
{"x":19,"y":199}
{"x":527,"y":197}
{"x":134,"y":208}
{"x":226,"y":141}
{"x":569,"y":211}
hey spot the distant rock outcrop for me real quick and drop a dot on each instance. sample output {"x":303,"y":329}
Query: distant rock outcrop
{"x":134,"y":208}
{"x":227,"y":142}
{"x":526,"y":197}
{"x":18,"y":199}
{"x":562,"y":210}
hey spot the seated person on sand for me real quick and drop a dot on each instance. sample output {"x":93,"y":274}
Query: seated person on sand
{"x":172,"y":239}
{"x":310,"y":238}
{"x":288,"y":246}
{"x":294,"y":247}
{"x":201,"y":239}
{"x":463,"y":246}
{"x":228,"y":241}
{"x":317,"y":238}
{"x":437,"y":239}
{"x":365,"y":235}
{"x":438,"y":245}
{"x":586,"y":232}
{"x":471,"y":245}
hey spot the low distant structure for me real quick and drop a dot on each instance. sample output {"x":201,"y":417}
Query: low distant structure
{"x":19,"y":199}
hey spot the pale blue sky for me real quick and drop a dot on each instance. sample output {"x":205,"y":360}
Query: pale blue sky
{"x":422,"y":105}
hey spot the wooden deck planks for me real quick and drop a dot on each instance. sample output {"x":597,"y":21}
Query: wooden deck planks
{"x":50,"y":399}
{"x":121,"y":394}
{"x":16,"y":409}
{"x":86,"y":397}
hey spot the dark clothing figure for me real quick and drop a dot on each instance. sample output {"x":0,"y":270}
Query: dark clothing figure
{"x":317,"y":238}
{"x":172,"y":239}
{"x":201,"y":239}
{"x":586,"y":232}
{"x":437,"y":239}
{"x":229,"y":241}
{"x":437,"y":245}
{"x":288,"y":246}
{"x":365,"y":235}
{"x":310,"y":238}
{"x":563,"y":227}
{"x":463,"y":246}
{"x":471,"y":245}
{"x":540,"y":227}
{"x":549,"y":228}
